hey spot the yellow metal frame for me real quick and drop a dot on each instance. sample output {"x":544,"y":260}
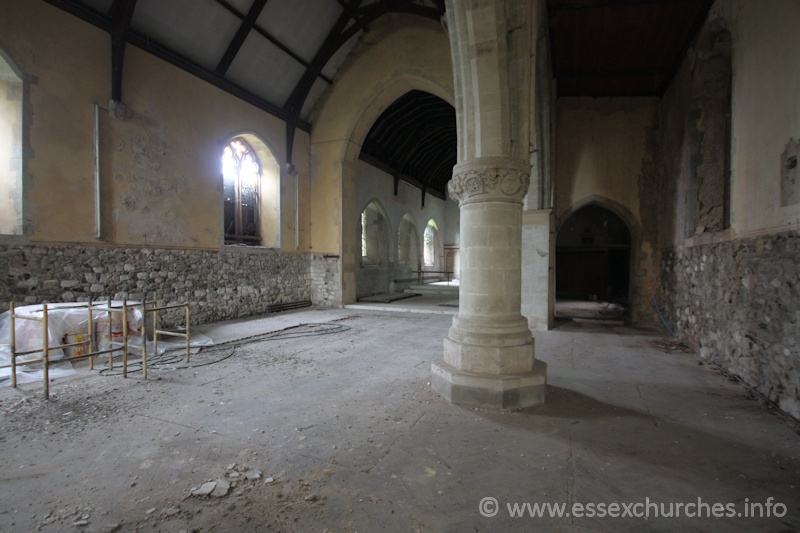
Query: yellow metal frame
{"x":115,"y":346}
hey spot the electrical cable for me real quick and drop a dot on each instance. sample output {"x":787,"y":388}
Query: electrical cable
{"x":170,"y":357}
{"x":655,"y":303}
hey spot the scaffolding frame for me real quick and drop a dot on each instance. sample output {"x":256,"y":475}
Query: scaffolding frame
{"x":122,"y":345}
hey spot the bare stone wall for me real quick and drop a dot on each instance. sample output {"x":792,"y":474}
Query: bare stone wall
{"x":373,"y":279}
{"x":738,"y":303}
{"x":221,"y":285}
{"x":324,"y":280}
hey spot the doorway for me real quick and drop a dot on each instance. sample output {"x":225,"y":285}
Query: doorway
{"x":593,"y":258}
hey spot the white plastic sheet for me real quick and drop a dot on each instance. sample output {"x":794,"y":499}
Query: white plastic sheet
{"x":67,"y":322}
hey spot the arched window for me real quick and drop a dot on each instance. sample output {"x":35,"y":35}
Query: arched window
{"x":241,"y":176}
{"x":251,"y":192}
{"x":11,"y":91}
{"x":374,"y":235}
{"x":709,"y":133}
{"x":431,"y":243}
{"x":407,"y":239}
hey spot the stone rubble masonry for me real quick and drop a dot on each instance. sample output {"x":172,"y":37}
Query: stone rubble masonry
{"x":220,"y":285}
{"x":324,"y":280}
{"x":738,"y":304}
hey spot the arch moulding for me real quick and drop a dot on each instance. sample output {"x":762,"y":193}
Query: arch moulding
{"x":335,"y":147}
{"x":617,"y":208}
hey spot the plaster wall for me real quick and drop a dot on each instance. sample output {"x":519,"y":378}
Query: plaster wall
{"x":538,"y":256}
{"x":766,"y":110}
{"x":161,"y":187}
{"x":63,"y":87}
{"x":732,"y":293}
{"x":605,"y":154}
{"x":397,"y":55}
{"x":375,"y":184}
{"x":11,"y":91}
{"x":601,"y":144}
{"x":160,"y":168}
{"x":765,"y":119}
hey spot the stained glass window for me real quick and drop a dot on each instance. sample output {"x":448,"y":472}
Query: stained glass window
{"x":241,"y":176}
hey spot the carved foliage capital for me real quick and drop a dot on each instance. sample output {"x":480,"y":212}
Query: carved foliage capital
{"x":486,"y":179}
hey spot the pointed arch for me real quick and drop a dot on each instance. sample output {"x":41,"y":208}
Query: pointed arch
{"x":615,"y":207}
{"x":344,"y":120}
{"x":12,"y":133}
{"x":373,"y":275}
{"x":408,"y":249}
{"x":251,"y":178}
{"x":709,"y":132}
{"x":432,"y":246}
{"x":376,"y":238}
{"x":594,"y":248}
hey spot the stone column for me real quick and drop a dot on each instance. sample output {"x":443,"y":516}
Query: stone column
{"x":488,"y":356}
{"x":489,"y":352}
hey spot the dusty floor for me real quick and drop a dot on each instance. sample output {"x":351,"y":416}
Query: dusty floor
{"x":597,"y":309}
{"x":346,"y":436}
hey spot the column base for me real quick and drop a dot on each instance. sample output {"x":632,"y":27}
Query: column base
{"x":484,"y":346}
{"x":490,"y":391}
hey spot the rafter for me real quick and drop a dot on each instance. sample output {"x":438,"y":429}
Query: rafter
{"x":347,"y":7}
{"x":241,"y":34}
{"x":121,"y":13}
{"x":161,"y":51}
{"x":413,"y":136}
{"x":146,"y":43}
{"x":341,"y":33}
{"x":337,"y":37}
{"x":278,"y":44}
{"x":83,"y":12}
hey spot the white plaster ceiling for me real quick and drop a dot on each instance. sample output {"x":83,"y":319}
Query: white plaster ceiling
{"x":264,"y":69}
{"x":196,"y":29}
{"x":282,"y":55}
{"x":301,"y":28}
{"x":259,"y":50}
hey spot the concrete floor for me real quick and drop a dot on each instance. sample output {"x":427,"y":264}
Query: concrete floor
{"x":348,"y":437}
{"x":424,"y":303}
{"x":596,"y":310}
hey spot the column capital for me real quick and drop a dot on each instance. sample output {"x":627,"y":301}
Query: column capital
{"x":490,"y":179}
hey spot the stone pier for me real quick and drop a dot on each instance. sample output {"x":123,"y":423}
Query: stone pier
{"x":488,"y":359}
{"x":489,"y":352}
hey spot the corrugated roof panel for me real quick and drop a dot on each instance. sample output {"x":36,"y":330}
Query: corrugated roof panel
{"x":302,"y":30}
{"x":263,"y":69}
{"x":200,"y":30}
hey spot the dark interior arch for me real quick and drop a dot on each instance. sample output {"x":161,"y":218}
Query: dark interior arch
{"x":593,"y":256}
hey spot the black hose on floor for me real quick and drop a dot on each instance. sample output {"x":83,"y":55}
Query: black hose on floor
{"x":168,"y":359}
